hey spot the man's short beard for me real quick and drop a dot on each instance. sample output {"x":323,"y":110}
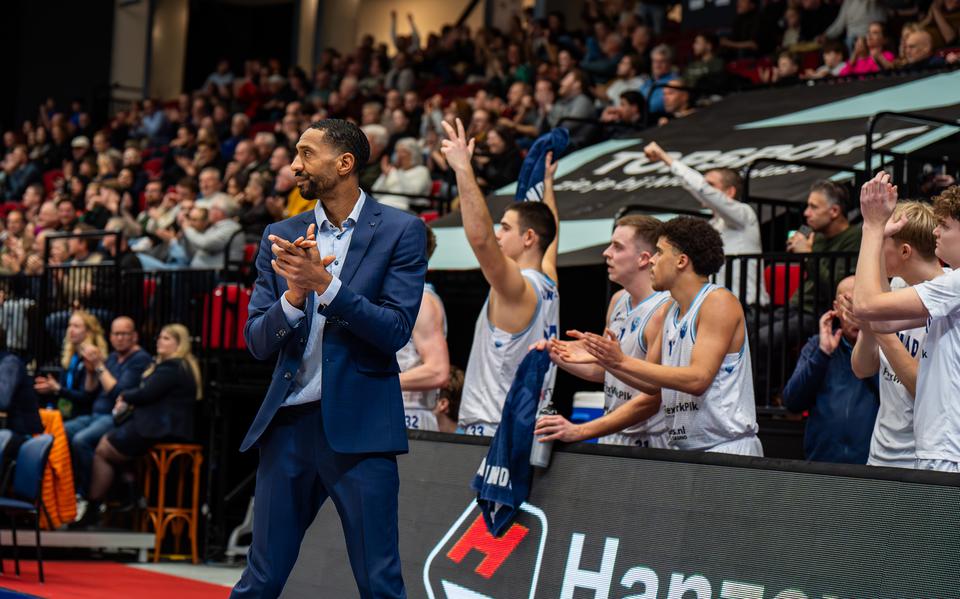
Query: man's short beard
{"x":315,"y":187}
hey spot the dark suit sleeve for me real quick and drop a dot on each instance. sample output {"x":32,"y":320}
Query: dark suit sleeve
{"x":388,"y":323}
{"x":267,"y":328}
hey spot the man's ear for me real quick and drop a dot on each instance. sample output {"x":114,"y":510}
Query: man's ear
{"x":683,"y":261}
{"x":643,"y":260}
{"x":345,"y":164}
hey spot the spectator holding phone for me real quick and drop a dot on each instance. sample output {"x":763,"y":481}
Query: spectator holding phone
{"x":842,"y":407}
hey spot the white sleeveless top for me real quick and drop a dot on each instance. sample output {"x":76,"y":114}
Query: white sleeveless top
{"x":629,"y":323}
{"x":893,"y":442}
{"x":726,"y":412}
{"x":418,"y":405}
{"x":495,"y":357}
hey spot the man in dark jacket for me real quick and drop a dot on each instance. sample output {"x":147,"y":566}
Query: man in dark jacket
{"x":842,"y":407}
{"x":17,"y":397}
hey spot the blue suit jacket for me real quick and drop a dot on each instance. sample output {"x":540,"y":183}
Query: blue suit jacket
{"x":371,"y":318}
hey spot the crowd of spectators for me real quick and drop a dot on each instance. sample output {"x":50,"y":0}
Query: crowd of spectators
{"x":188,"y":181}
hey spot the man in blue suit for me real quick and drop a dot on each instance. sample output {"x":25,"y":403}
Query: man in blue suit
{"x":337,"y":294}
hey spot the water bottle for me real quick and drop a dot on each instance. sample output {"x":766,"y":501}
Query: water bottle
{"x":540,"y":452}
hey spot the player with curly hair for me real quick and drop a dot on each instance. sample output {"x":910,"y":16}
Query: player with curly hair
{"x":697,"y":370}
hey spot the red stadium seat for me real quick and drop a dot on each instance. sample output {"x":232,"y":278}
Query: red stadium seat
{"x":50,"y":179}
{"x":429,"y":216}
{"x":149,"y":289}
{"x":225,"y":313}
{"x":785,"y":288}
{"x":154,"y":167}
{"x":264,"y":127}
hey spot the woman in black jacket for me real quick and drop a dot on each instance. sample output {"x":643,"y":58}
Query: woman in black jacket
{"x":161,"y":409}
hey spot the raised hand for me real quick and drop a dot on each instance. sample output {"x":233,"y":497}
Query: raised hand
{"x":549,"y":168}
{"x":829,"y":339}
{"x":571,"y":352}
{"x":605,"y":348}
{"x":456,"y":148}
{"x":878,"y":198}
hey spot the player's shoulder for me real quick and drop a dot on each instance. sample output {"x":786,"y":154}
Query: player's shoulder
{"x":617,"y":297}
{"x":722,"y":304}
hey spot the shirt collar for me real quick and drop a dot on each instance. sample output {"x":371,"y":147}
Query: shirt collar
{"x":352,"y":218}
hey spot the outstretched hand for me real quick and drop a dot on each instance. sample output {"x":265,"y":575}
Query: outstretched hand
{"x":605,"y":348}
{"x":456,"y":148}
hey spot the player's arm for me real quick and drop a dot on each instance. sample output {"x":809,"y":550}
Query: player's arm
{"x":428,"y":338}
{"x":585,"y":368}
{"x":714,"y":336}
{"x":903,"y":364}
{"x":637,"y":409}
{"x":502,"y":273}
{"x":877,"y":201}
{"x":549,"y":263}
{"x":865,"y":360}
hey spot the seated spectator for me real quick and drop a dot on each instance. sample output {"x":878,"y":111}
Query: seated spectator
{"x":627,"y":78}
{"x":605,"y":64}
{"x":869,"y":55}
{"x":676,"y":101}
{"x":744,"y":31}
{"x":833,"y":56}
{"x":792,"y":34}
{"x":786,"y":71}
{"x":406,"y":175}
{"x":17,"y":173}
{"x":67,"y":215}
{"x":574,"y":103}
{"x":209,"y":182}
{"x":160,"y":409}
{"x":16,"y":242}
{"x":17,"y":397}
{"x":77,"y":386}
{"x":500,"y":164}
{"x":209,"y":248}
{"x":118,"y":372}
{"x":625,"y":119}
{"x":531,"y":120}
{"x":254,"y":216}
{"x":705,"y":62}
{"x":843,"y":408}
{"x":942,"y":22}
{"x":662,"y":72}
{"x":918,"y":51}
{"x":377,"y":137}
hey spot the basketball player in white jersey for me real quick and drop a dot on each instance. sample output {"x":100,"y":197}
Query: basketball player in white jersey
{"x":519,"y":261}
{"x":635,"y":315}
{"x":425,"y":361}
{"x":936,"y":417}
{"x":700,"y":363}
{"x":910,"y":256}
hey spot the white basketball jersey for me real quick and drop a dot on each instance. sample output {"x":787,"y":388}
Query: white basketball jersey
{"x":629,"y":323}
{"x":726,"y":411}
{"x":893,"y":442}
{"x":495,"y":357}
{"x":418,"y":405}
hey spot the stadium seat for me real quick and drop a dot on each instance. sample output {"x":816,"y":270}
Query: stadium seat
{"x":50,"y":179}
{"x":784,"y":288}
{"x":225,"y":313}
{"x":154,"y":167}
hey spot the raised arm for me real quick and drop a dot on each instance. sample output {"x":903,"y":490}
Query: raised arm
{"x":877,"y":200}
{"x":550,"y":199}
{"x":502,"y":273}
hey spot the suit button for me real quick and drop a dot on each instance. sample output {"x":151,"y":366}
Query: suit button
{"x":281,"y":333}
{"x":287,"y":376}
{"x":303,"y":340}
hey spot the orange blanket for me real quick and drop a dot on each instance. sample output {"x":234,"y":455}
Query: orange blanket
{"x":59,"y":496}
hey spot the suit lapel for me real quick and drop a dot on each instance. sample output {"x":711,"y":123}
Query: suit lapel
{"x":367,"y":223}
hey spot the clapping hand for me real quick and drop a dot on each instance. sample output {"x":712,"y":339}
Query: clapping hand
{"x":300,"y":263}
{"x":605,"y":348}
{"x":829,"y":339}
{"x":878,"y":198}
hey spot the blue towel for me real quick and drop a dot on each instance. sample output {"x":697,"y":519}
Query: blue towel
{"x":530,"y":181}
{"x":503,"y":481}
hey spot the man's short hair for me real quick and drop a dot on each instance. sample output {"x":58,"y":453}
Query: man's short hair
{"x":190,"y":183}
{"x":224,"y":203}
{"x":663,"y":50}
{"x":452,"y":392}
{"x":646,"y":229}
{"x":431,"y":242}
{"x":698,"y":240}
{"x":730,"y":178}
{"x":711,"y":38}
{"x":346,"y":138}
{"x":918,"y":232}
{"x":947,"y":204}
{"x":633,"y":98}
{"x":539,"y":217}
{"x":835,"y":46}
{"x":211,"y":169}
{"x":835,"y":194}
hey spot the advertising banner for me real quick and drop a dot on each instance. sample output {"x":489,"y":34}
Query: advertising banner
{"x":625,"y":523}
